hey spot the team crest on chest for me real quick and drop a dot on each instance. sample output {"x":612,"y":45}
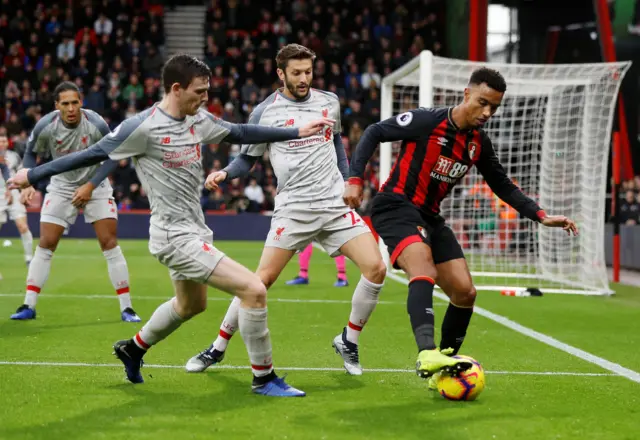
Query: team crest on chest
{"x":473,"y":150}
{"x":325,"y":112}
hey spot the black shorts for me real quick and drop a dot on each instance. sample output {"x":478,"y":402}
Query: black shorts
{"x":400,"y":223}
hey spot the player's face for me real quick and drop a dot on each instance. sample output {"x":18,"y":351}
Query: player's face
{"x":194,"y":96}
{"x":481,"y":103}
{"x":69,"y":104}
{"x":297,"y":77}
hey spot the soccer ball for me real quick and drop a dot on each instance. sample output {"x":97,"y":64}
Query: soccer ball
{"x":467,"y":386}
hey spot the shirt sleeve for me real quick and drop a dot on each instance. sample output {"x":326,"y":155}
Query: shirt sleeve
{"x":405,"y":126}
{"x":98,"y":122}
{"x":240,"y":166}
{"x":343,"y":163}
{"x":494,"y":173}
{"x":129,"y":139}
{"x":4,"y":169}
{"x":37,"y":142}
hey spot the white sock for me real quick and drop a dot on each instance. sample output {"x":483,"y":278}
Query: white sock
{"x":364,"y":301}
{"x":229,"y":325}
{"x":119,"y":275}
{"x":27,"y":245}
{"x":164,"y":321}
{"x":255,"y":334}
{"x":38,"y":273}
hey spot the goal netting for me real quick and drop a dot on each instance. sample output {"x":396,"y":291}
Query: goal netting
{"x":552,"y":135}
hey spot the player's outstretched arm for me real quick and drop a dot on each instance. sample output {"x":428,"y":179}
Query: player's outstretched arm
{"x":258,"y":134}
{"x":343,"y":162}
{"x":239,"y":167}
{"x":494,"y":173}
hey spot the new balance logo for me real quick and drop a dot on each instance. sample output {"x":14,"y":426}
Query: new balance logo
{"x":288,"y":123}
{"x":442,"y":141}
{"x":165,"y":140}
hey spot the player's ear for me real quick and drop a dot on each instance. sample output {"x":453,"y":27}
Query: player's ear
{"x":467,"y":94}
{"x":175,"y":87}
{"x":281,"y":74}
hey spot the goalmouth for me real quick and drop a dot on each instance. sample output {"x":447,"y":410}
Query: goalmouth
{"x":552,"y":135}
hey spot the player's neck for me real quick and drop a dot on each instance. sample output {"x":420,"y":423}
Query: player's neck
{"x":457,"y":117}
{"x":171,"y":107}
{"x":287,"y":94}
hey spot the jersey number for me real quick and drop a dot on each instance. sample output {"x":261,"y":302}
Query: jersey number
{"x":354,"y":220}
{"x":458,"y":170}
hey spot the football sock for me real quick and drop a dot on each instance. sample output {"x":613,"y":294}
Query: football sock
{"x":37,"y":275}
{"x":164,"y":321}
{"x":363,"y":302}
{"x":27,"y":245}
{"x":229,"y":325}
{"x":454,"y":327}
{"x":341,"y":265}
{"x":119,"y":275}
{"x":255,"y":334}
{"x":420,"y":309}
{"x":304,"y":259}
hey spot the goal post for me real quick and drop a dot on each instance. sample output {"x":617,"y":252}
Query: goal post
{"x":552,"y":135}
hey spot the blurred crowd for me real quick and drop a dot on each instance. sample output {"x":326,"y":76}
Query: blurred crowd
{"x":630,"y":203}
{"x":114,"y":50}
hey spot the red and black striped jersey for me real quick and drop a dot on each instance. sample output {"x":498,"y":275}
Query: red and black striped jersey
{"x":435,"y":154}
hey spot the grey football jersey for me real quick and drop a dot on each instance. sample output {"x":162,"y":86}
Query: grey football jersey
{"x":167,"y":157}
{"x":51,"y":137}
{"x":306,"y":169}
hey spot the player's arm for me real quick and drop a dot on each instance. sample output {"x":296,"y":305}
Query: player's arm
{"x":343,"y":163}
{"x":409,"y":125}
{"x":496,"y":177}
{"x":109,"y":166}
{"x":126,"y":141}
{"x":37,"y":142}
{"x":4,"y":169}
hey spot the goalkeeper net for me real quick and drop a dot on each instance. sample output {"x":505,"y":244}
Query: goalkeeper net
{"x":552,"y":134}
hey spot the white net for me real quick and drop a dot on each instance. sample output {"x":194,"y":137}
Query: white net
{"x":552,"y":135}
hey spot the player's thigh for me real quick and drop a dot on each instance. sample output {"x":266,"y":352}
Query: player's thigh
{"x":358,"y":245}
{"x":191,"y":297}
{"x":107,"y":232}
{"x":58,"y":210}
{"x":234,"y":278}
{"x":272,"y":262}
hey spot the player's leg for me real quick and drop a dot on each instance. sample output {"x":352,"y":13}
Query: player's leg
{"x":303,"y":260}
{"x":341,"y":267}
{"x":272,"y":262}
{"x":409,"y":241}
{"x":20,"y":219}
{"x":106,"y":232}
{"x":40,"y":267}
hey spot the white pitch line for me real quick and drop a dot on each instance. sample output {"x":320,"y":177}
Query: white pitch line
{"x":321,"y":369}
{"x":541,"y":337}
{"x":211,"y":298}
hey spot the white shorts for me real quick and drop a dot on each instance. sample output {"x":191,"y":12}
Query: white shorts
{"x":57,"y":209}
{"x":331,"y":231}
{"x":15,"y":209}
{"x":188,"y":256}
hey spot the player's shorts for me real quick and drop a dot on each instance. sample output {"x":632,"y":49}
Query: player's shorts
{"x":331,"y":231}
{"x":12,"y":211}
{"x":400,"y":223}
{"x":57,"y":209}
{"x":188,"y":256}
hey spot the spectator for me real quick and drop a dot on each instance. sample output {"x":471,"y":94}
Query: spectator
{"x":103,"y":26}
{"x":630,"y":209}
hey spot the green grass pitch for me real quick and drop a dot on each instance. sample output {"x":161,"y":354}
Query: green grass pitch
{"x":58,"y":379}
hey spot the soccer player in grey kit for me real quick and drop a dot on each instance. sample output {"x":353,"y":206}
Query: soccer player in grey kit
{"x":68,"y":129}
{"x":164,"y":142}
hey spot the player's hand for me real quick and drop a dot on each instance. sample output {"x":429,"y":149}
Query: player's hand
{"x":560,"y":221}
{"x":20,"y":180}
{"x":8,"y":197}
{"x":315,"y":127}
{"x":214,"y":179}
{"x":353,"y":195}
{"x":27,"y":194}
{"x":82,"y":195}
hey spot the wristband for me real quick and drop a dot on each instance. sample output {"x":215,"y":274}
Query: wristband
{"x":355,"y":181}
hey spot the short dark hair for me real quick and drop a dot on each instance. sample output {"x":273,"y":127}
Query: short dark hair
{"x":490,"y":77}
{"x":293,"y":52}
{"x":182,"y":69}
{"x":65,"y":86}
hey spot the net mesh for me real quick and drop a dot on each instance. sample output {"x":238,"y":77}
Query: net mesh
{"x":552,"y":135}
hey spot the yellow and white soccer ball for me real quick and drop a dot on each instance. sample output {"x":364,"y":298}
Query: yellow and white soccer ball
{"x":467,"y":386}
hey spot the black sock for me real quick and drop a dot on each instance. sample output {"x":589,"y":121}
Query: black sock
{"x":261,"y":380}
{"x":454,"y":327}
{"x":135,"y":351}
{"x":420,"y":309}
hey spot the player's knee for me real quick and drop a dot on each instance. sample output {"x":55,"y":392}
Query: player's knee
{"x":46,"y":243}
{"x":108,"y":243}
{"x":255,"y":294}
{"x":22,"y":228}
{"x":465,"y":296}
{"x":376,"y":272}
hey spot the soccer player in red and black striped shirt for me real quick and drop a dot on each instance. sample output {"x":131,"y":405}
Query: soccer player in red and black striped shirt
{"x":439,"y":146}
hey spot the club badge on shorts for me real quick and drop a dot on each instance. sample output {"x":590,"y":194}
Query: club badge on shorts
{"x":422,"y":231}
